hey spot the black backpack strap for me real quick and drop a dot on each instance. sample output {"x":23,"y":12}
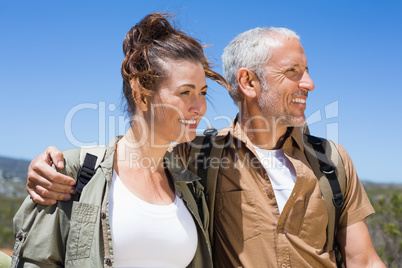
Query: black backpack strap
{"x":204,"y":157}
{"x":328,"y":168}
{"x":331,"y":188}
{"x":203,"y":149}
{"x":90,"y":159}
{"x":87,"y":171}
{"x":201,"y":163}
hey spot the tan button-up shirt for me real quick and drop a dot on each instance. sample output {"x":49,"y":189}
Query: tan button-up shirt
{"x":248,"y":229}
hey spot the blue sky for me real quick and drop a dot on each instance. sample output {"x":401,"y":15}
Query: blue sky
{"x":57,"y":57}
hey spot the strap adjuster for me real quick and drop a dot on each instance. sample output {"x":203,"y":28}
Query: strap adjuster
{"x":327,"y":169}
{"x":338,"y":200}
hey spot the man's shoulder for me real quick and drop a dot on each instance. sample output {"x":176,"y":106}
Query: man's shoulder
{"x":342,"y":151}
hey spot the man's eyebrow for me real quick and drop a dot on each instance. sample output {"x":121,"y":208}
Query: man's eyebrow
{"x":291,"y":65}
{"x":296,"y":65}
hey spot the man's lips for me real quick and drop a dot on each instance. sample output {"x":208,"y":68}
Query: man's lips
{"x":299,"y":97}
{"x":299,"y":100}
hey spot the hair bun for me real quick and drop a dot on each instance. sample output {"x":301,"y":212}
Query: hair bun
{"x":150,"y":30}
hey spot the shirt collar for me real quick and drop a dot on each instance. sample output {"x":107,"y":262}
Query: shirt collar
{"x":295,"y":137}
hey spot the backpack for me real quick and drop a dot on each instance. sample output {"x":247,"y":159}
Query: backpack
{"x":322,"y":155}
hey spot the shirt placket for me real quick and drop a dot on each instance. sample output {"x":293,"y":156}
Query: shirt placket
{"x":282,"y":241}
{"x":283,"y":249}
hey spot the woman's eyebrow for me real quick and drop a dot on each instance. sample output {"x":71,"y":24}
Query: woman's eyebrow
{"x":192,"y":86}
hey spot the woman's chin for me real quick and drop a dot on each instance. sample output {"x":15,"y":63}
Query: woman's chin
{"x":189,"y":136}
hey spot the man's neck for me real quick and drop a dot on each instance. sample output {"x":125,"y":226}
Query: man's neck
{"x":264,"y":133}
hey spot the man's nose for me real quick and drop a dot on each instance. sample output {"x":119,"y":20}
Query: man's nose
{"x":306,"y":82}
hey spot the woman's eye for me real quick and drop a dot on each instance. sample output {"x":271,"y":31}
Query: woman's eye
{"x":185,"y":93}
{"x":203,"y":93}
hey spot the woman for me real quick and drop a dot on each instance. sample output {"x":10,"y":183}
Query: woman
{"x":133,"y":212}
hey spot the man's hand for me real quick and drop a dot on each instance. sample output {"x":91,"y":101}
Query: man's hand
{"x":45,"y":184}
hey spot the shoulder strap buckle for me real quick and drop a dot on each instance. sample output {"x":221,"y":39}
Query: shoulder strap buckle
{"x":86,"y":172}
{"x":338,"y":200}
{"x":90,"y":159}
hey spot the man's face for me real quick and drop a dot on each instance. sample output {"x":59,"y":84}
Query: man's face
{"x":288,"y":83}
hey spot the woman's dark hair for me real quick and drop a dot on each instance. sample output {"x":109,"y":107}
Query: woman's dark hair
{"x":149,"y":43}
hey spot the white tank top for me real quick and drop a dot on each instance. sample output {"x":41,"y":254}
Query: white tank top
{"x":281,"y":173}
{"x":147,"y":235}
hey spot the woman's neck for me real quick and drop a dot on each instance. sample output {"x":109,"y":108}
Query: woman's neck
{"x":139,"y":166}
{"x":140,"y":153}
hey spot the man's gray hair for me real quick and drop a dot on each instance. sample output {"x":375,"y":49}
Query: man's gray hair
{"x":251,"y":50}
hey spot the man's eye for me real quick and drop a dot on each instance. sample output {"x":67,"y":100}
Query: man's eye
{"x":291,"y":70}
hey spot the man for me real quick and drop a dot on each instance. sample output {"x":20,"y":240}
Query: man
{"x":268,"y":211}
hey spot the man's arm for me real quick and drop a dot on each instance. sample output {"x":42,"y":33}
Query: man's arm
{"x":356,"y":246}
{"x":45,"y":184}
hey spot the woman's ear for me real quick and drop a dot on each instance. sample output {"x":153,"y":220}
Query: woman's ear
{"x":140,"y":99}
{"x":248,"y":82}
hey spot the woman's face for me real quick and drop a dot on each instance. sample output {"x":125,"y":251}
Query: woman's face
{"x":178,"y":106}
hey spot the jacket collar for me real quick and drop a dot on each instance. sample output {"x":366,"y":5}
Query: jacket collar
{"x":177,"y":170}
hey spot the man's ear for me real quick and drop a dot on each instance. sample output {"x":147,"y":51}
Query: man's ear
{"x":248,"y":82}
{"x":140,"y":99}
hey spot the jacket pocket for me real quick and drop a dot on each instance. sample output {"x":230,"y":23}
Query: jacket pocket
{"x":228,"y":205}
{"x":81,"y":234}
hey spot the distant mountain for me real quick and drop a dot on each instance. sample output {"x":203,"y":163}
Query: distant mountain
{"x":14,"y":167}
{"x":379,"y":185}
{"x":13,"y":176}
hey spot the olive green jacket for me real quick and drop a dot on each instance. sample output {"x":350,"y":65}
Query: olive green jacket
{"x":77,"y":233}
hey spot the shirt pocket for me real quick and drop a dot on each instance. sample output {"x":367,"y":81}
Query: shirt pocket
{"x":313,"y":229}
{"x":236,"y":211}
{"x":81,"y":234}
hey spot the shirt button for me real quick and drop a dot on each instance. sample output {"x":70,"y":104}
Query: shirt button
{"x":108,"y":262}
{"x":269,"y":193}
{"x":103,"y":215}
{"x":284,"y":265}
